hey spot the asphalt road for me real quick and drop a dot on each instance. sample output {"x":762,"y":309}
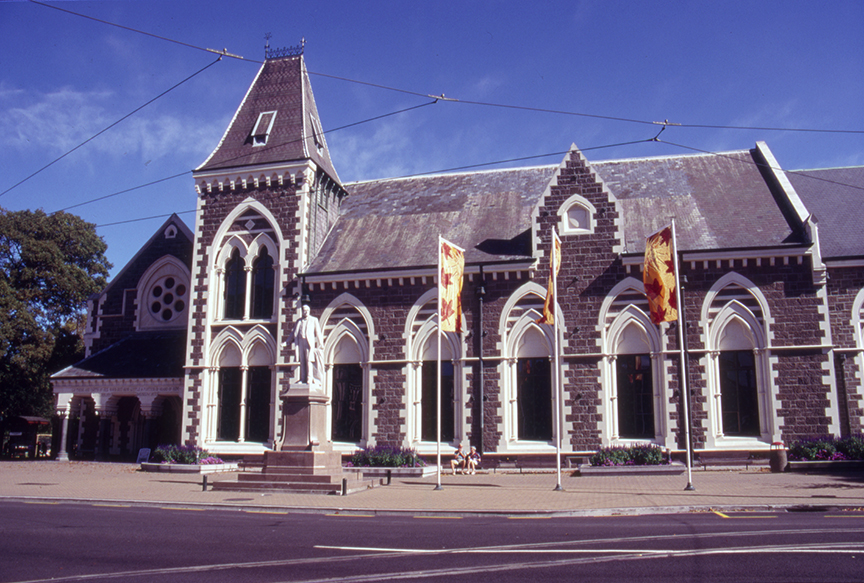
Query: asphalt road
{"x":88,"y":542}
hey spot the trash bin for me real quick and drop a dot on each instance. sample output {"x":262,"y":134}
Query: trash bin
{"x":779,"y":458}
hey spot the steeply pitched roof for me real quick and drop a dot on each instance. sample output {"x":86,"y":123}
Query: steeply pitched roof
{"x":835,"y":196}
{"x":718,"y":201}
{"x":392,"y":224}
{"x":256,"y":136}
{"x":142,"y":355}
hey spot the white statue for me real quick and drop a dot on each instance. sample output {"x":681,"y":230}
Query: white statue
{"x":308,"y":341}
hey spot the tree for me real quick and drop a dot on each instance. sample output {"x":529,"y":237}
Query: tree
{"x":49,"y":266}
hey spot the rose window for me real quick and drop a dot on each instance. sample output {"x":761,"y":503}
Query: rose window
{"x":167,"y":299}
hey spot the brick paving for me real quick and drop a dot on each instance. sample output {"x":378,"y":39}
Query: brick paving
{"x":499,"y":493}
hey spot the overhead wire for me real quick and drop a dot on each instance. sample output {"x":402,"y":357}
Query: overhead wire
{"x":99,"y":133}
{"x":223,"y":52}
{"x":442,"y":97}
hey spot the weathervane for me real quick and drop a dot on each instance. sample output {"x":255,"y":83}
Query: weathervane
{"x":283,"y":52}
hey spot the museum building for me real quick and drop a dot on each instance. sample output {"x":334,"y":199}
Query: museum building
{"x":187,"y":344}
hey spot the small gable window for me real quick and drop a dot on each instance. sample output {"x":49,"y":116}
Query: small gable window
{"x":576,"y":216}
{"x":262,"y":128}
{"x":317,"y":134}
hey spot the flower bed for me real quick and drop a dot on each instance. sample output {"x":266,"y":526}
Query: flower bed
{"x":187,"y":459}
{"x":827,"y":448}
{"x":634,"y":455}
{"x":385,"y":456}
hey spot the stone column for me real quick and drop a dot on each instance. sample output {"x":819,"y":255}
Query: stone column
{"x":64,"y":411}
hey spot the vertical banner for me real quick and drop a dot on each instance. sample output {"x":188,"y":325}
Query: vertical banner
{"x":659,"y":276}
{"x":451,"y":267}
{"x":551,"y":293}
{"x":452,"y":262}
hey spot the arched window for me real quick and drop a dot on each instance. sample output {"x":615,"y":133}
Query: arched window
{"x":346,"y":405}
{"x":429,"y":398}
{"x":235,"y":286}
{"x":739,"y":397}
{"x":262,"y":286}
{"x":533,"y":390}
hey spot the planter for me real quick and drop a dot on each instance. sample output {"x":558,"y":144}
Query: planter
{"x":190,"y":468}
{"x":826,"y":466}
{"x":381,"y":472}
{"x":673,"y":469}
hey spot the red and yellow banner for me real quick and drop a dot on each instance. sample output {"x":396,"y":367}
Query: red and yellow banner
{"x":554,"y":268}
{"x":452,"y":265}
{"x":659,"y":276}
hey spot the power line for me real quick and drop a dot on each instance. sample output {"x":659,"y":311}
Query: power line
{"x":441,"y":97}
{"x":122,"y":192}
{"x":91,"y":138}
{"x":223,"y":52}
{"x":759,"y":165}
{"x":240,"y":157}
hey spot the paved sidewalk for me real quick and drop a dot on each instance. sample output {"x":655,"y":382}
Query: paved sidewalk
{"x":484,"y":493}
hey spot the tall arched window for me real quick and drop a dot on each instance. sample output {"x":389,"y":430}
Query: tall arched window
{"x":429,"y":398}
{"x":262,"y":286}
{"x":533,"y":388}
{"x":346,"y":405}
{"x":534,"y":398}
{"x":235,"y":286}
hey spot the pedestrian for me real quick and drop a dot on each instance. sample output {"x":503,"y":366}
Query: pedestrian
{"x":473,"y":460}
{"x":458,"y":460}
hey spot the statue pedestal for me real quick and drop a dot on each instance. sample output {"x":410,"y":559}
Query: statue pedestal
{"x":304,"y":419}
{"x":304,"y":461}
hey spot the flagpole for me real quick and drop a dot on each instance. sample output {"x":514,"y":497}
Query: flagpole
{"x":558,"y":384}
{"x":682,"y":372}
{"x":438,"y":375}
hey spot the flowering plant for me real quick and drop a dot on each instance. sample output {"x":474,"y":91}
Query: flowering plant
{"x":183,"y":454}
{"x":827,"y":448}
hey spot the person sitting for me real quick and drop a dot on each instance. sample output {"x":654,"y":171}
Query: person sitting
{"x":472,"y":460}
{"x":458,"y":461}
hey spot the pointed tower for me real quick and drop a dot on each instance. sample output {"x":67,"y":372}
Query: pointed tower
{"x":267,"y":196}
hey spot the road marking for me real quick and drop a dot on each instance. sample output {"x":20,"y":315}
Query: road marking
{"x":438,"y":517}
{"x":264,"y":512}
{"x":721,"y":515}
{"x":351,"y":515}
{"x":183,"y":508}
{"x":528,"y":517}
{"x":38,"y":502}
{"x":111,"y":505}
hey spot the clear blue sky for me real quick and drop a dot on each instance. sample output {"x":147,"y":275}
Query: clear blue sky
{"x":63,"y":78}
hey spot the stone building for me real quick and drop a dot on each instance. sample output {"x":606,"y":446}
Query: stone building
{"x":772,"y":298}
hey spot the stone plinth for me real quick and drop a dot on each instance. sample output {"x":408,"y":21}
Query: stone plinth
{"x":304,"y":460}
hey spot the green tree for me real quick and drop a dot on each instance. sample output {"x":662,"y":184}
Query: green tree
{"x":49,"y":266}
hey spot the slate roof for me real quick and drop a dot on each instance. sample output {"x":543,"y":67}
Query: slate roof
{"x":835,"y":196}
{"x":282,"y":85}
{"x":718,"y":201}
{"x":392,"y":224}
{"x":154,"y":354}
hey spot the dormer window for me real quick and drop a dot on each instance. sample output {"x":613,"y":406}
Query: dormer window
{"x":262,"y":128}
{"x":317,"y":134}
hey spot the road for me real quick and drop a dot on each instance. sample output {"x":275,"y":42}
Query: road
{"x":90,"y":542}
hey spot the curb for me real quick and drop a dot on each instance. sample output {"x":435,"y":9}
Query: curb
{"x":575,"y":513}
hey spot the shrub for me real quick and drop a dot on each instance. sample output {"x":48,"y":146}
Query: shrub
{"x":386,"y":456}
{"x":827,"y":448}
{"x":183,"y":454}
{"x":635,"y":455}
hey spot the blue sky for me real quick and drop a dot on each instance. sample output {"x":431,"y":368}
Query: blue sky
{"x":619,"y":65}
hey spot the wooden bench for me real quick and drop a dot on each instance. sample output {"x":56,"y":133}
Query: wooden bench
{"x":727,"y":458}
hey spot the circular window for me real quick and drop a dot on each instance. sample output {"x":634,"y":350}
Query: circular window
{"x":167,"y":299}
